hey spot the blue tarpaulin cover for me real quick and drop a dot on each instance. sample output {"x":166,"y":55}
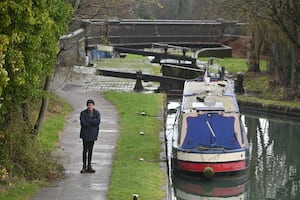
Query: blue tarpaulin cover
{"x":96,"y":54}
{"x":199,"y":134}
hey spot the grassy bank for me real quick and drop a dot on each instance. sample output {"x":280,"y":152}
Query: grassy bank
{"x":235,"y":65}
{"x":131,"y":63}
{"x":58,"y":109}
{"x":136,"y":167}
{"x":257,"y":85}
{"x":258,"y":90}
{"x":17,"y":188}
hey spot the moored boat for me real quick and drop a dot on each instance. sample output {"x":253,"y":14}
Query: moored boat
{"x":209,"y":137}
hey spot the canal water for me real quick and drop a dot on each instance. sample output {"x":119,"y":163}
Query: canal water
{"x":274,"y":166}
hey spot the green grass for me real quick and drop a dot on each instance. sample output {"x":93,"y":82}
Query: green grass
{"x":131,"y":63}
{"x":130,"y":175}
{"x":54,"y":123}
{"x":266,"y":102}
{"x":254,"y":83}
{"x":134,"y":56}
{"x":235,"y":65}
{"x":257,"y":84}
{"x":20,"y":191}
{"x":137,"y":62}
{"x":47,"y":139}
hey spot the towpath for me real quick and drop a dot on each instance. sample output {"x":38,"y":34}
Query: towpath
{"x":76,"y":86}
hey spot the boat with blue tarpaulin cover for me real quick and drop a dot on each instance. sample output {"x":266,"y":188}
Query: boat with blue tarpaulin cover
{"x":208,"y":135}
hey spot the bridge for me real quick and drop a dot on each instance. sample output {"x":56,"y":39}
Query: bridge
{"x":190,"y":33}
{"x":138,"y":34}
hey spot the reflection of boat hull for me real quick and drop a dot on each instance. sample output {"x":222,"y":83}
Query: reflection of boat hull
{"x":230,"y":188}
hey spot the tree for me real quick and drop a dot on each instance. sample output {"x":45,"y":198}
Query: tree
{"x":3,"y":73}
{"x":31,"y":29}
{"x":274,"y":23}
{"x":29,"y":34}
{"x":285,"y":14}
{"x":248,"y":11}
{"x":101,"y":9}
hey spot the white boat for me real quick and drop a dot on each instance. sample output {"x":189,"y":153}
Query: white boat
{"x":208,"y":136}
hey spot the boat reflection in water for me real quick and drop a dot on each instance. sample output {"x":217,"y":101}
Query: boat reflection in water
{"x":229,"y":188}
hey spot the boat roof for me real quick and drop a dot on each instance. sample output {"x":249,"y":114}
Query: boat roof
{"x":208,"y":95}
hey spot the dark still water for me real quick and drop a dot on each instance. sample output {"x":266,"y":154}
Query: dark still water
{"x":275,"y":156}
{"x":274,"y":166}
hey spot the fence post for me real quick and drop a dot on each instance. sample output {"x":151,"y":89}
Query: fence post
{"x":238,"y":83}
{"x":138,"y":84}
{"x":135,"y":196}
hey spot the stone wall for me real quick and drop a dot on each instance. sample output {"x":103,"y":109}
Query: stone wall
{"x":72,"y":49}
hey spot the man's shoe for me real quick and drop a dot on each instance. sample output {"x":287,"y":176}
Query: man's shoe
{"x":90,"y":169}
{"x":83,"y":170}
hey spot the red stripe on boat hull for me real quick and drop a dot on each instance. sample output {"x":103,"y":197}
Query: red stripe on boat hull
{"x":217,"y":167}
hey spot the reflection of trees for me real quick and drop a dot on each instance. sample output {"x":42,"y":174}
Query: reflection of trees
{"x":274,"y":159}
{"x":252,"y":124}
{"x":286,"y":161}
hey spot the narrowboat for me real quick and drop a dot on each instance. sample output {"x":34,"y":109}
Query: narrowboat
{"x":208,"y":135}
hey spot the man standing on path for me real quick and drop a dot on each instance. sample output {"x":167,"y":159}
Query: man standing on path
{"x":89,"y":120}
